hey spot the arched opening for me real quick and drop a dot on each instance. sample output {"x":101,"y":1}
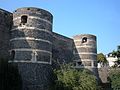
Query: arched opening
{"x":84,"y":40}
{"x":12,"y":55}
{"x":24,"y":19}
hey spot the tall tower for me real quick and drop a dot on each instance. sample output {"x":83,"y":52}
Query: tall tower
{"x":31,"y":46}
{"x":85,"y":52}
{"x":31,"y":35}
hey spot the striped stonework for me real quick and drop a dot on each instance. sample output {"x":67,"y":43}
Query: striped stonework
{"x":31,"y":36}
{"x":85,"y":52}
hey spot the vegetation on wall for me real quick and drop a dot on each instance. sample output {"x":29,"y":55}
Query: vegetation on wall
{"x":114,"y":78}
{"x":69,"y":78}
{"x":101,"y":59}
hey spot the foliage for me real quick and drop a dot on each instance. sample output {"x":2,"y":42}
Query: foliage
{"x":114,"y":78}
{"x":116,"y":54}
{"x":101,"y":58}
{"x":9,"y":76}
{"x":68,"y":78}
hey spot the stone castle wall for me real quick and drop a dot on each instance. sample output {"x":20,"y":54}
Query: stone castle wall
{"x":35,"y":49}
{"x":31,"y":42}
{"x":5,"y":26}
{"x":62,"y":50}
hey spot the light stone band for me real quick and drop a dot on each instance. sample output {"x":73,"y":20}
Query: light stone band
{"x":84,"y":60}
{"x":85,"y":53}
{"x":23,"y":61}
{"x":30,"y":38}
{"x":86,"y":46}
{"x":32,"y":28}
{"x":38,"y":50}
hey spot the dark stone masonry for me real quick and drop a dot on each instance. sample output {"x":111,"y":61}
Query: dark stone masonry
{"x":5,"y":26}
{"x":27,"y":39}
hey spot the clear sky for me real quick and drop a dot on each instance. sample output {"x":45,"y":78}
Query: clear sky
{"x":71,"y":17}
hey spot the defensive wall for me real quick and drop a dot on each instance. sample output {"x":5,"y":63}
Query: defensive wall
{"x":26,"y":36}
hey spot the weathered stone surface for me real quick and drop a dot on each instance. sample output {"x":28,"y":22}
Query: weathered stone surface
{"x":38,"y":23}
{"x":31,"y":44}
{"x":85,"y":51}
{"x":37,"y":34}
{"x":84,"y":47}
{"x":34,"y":12}
{"x":35,"y":29}
{"x":88,"y":43}
{"x":5,"y":26}
{"x":35,"y":76}
{"x":89,"y":36}
{"x":85,"y":56}
{"x":62,"y":48}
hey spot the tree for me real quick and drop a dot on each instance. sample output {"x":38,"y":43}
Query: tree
{"x":101,"y":59}
{"x":68,"y":78}
{"x":114,"y":78}
{"x":116,"y":54}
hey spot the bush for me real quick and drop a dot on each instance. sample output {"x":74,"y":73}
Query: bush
{"x":68,"y":78}
{"x":114,"y":78}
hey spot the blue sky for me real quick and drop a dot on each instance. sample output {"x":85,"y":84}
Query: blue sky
{"x":71,"y":17}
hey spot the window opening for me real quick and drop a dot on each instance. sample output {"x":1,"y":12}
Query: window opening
{"x":12,"y":55}
{"x":24,"y":19}
{"x":84,"y":40}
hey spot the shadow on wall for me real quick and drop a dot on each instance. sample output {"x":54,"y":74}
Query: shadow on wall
{"x":65,"y":51}
{"x":85,"y":51}
{"x":76,"y":57}
{"x":62,"y":50}
{"x":9,"y":76}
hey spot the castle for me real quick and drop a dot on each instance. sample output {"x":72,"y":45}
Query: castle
{"x":26,"y":37}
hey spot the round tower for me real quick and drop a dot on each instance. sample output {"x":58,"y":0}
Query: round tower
{"x":85,"y":52}
{"x":31,"y":47}
{"x":31,"y":35}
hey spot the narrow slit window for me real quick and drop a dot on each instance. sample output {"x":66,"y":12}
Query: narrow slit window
{"x":24,"y":19}
{"x":12,"y":55}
